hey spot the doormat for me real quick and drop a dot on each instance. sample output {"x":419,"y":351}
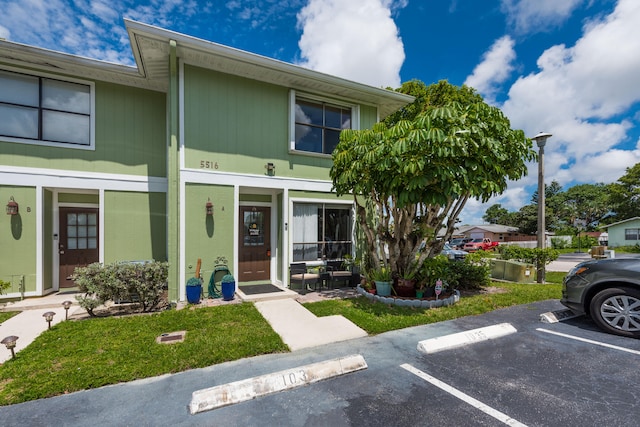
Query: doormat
{"x":265,"y":288}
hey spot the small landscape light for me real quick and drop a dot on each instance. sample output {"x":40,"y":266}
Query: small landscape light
{"x":66,"y":304}
{"x":10,"y":343}
{"x":48,"y":316}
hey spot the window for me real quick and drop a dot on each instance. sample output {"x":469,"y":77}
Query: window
{"x":318,"y":125}
{"x":46,"y":110}
{"x":631,"y":234}
{"x":321,"y":230}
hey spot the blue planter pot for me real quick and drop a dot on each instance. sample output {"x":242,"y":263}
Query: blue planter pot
{"x":383,"y":289}
{"x":228,"y":290}
{"x":193,"y":293}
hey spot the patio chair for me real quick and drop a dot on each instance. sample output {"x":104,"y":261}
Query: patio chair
{"x":298,"y":274}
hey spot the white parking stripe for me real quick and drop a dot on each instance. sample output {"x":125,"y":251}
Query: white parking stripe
{"x":602,"y":344}
{"x":464,"y":397}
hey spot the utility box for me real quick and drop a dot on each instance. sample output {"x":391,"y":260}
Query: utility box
{"x":498,"y":268}
{"x":519,"y":272}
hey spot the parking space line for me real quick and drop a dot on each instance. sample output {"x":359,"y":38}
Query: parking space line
{"x":464,"y":397}
{"x":602,"y":344}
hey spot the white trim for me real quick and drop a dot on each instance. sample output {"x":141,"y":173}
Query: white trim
{"x":40,"y":241}
{"x":255,"y":181}
{"x":293,"y":96}
{"x":291,"y":201}
{"x":50,"y":178}
{"x":236,"y":227}
{"x":62,"y":78}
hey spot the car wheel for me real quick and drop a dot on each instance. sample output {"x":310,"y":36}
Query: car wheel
{"x":617,"y":311}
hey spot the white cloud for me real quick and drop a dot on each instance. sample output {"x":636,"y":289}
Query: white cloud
{"x":354,"y":40}
{"x":495,"y":68}
{"x":527,"y":16}
{"x":583,"y":95}
{"x":4,"y":33}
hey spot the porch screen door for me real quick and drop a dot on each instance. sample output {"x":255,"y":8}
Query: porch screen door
{"x":254,"y":258}
{"x":78,"y":244}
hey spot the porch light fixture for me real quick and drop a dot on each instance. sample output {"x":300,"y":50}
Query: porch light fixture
{"x":10,"y":343}
{"x":48,"y":316}
{"x":66,"y":304}
{"x":209,"y":207}
{"x":271,"y":169}
{"x":12,"y":207}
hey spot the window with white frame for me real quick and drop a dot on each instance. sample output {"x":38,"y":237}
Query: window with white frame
{"x":45,"y":110}
{"x":631,"y":234}
{"x":321,"y":231}
{"x":318,"y":125}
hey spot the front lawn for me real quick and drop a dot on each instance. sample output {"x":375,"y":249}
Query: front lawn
{"x":77,"y":355}
{"x":376,"y":318}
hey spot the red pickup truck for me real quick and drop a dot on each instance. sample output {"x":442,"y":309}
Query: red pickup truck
{"x":480,"y":245}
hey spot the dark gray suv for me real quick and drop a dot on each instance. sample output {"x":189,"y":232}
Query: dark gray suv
{"x":608,"y":291}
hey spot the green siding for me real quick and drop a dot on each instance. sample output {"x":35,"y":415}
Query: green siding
{"x":18,"y":238}
{"x":256,"y":198}
{"x":368,"y":116}
{"x":130,"y":137}
{"x":135,"y":226}
{"x":239,"y":125}
{"x":617,"y":234}
{"x":79,"y":198}
{"x":208,"y":237}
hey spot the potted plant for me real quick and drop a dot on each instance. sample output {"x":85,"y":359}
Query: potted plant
{"x":382,"y":277}
{"x":406,"y":282}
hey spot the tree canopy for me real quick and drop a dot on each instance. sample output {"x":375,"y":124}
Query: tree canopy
{"x":416,"y":170}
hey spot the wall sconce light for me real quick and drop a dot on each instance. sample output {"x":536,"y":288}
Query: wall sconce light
{"x":66,"y":304}
{"x":209,"y":207}
{"x":10,"y":343}
{"x":48,"y":316}
{"x":12,"y":207}
{"x":271,"y":169}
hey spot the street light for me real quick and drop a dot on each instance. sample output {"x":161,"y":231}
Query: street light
{"x":541,"y":140}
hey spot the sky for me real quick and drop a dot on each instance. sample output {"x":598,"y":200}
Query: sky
{"x":567,"y":67}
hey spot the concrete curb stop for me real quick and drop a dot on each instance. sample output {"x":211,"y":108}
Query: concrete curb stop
{"x":240,"y":391}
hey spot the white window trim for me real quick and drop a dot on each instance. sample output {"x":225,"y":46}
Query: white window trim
{"x":355,"y":119}
{"x":92,"y":118}
{"x":289,"y":230}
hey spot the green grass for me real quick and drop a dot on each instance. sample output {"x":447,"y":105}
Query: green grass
{"x":78,"y":355}
{"x":6,"y":315}
{"x":376,"y":318}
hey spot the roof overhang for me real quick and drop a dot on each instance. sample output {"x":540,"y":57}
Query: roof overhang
{"x":150,"y":47}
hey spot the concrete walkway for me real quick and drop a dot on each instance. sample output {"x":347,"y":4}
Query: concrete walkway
{"x":299,"y":328}
{"x":30,"y":323}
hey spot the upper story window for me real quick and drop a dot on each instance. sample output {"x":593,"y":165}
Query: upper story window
{"x":44,"y":110}
{"x":318,"y":125}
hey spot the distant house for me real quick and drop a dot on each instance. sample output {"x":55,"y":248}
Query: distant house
{"x":624,"y":233}
{"x":495,"y":232}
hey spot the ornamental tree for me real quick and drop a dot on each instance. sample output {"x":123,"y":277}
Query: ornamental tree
{"x":412,"y":175}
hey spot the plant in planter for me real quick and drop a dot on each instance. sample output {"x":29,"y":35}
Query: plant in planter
{"x":406,"y":282}
{"x":382,"y":277}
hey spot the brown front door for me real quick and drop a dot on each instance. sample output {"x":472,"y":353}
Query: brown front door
{"x":254,"y":259}
{"x":78,"y":244}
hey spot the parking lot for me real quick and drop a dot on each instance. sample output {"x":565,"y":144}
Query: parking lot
{"x":543,"y":374}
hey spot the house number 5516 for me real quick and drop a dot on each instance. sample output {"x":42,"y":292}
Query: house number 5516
{"x":205,"y":164}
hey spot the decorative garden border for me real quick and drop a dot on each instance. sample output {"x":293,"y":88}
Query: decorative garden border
{"x":414,"y":302}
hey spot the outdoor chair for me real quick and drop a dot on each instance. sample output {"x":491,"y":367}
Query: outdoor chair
{"x":298,"y":275}
{"x":338,"y":273}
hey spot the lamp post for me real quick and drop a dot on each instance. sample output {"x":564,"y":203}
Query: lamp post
{"x":541,"y":140}
{"x":66,"y":305}
{"x":48,"y":316}
{"x":10,"y":342}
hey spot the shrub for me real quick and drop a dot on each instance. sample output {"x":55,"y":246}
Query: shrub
{"x":4,"y":286}
{"x":144,"y":282}
{"x":469,"y":274}
{"x":534,"y":256}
